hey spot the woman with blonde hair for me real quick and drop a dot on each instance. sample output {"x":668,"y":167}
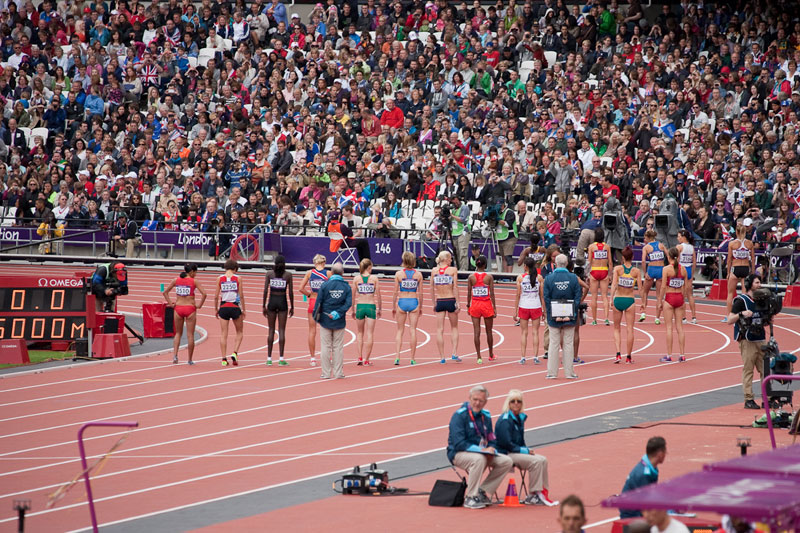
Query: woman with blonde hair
{"x":741,"y":262}
{"x":309,"y":287}
{"x":444,"y":292}
{"x":367,"y":309}
{"x":510,"y":435}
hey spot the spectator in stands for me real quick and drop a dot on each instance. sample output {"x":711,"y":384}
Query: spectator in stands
{"x":125,"y":233}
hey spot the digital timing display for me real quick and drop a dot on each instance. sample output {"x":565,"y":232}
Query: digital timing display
{"x":42,"y":299}
{"x":43,"y":328}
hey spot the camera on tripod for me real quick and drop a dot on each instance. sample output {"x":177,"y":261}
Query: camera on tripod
{"x":491,"y":215}
{"x":445,"y":216}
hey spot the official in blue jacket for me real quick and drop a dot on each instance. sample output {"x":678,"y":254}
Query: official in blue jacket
{"x":471,"y":446}
{"x":510,"y":433}
{"x":646,"y":471}
{"x":330,"y":310}
{"x":559,"y":287}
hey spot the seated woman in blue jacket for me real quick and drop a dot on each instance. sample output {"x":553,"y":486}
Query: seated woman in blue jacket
{"x":510,"y":434}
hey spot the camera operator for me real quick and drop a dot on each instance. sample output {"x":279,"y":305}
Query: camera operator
{"x":126,"y":233}
{"x":748,"y":330}
{"x":506,"y":234}
{"x":460,"y":232}
{"x":107,"y":282}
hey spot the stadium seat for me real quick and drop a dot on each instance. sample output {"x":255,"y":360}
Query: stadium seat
{"x":38,"y":132}
{"x":528,"y":65}
{"x":551,"y":58}
{"x":227,"y":44}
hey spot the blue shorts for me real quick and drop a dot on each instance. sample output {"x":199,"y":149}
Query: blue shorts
{"x":688,"y":272}
{"x":408,"y":304}
{"x":654,"y":271}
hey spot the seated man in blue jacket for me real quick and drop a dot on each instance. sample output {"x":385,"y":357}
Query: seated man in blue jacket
{"x":646,"y":471}
{"x":471,"y":446}
{"x":330,"y":310}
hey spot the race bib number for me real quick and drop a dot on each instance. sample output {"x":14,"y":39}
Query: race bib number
{"x":183,"y":290}
{"x":229,"y":286}
{"x":526,"y":286}
{"x":480,"y":291}
{"x":676,"y":283}
{"x":626,"y":283}
{"x":442,"y":280}
{"x":315,"y":284}
{"x":409,"y":284}
{"x":366,"y":288}
{"x":601,"y":254}
{"x":538,"y":256}
{"x":741,"y":254}
{"x":277,"y":283}
{"x":657,"y":256}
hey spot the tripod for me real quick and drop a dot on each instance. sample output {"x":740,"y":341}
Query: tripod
{"x":446,"y":241}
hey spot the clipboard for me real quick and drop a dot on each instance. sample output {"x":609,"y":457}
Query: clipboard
{"x":562,"y":309}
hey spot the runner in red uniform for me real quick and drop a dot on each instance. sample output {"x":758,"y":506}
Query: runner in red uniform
{"x":185,"y":307}
{"x":481,"y":304}
{"x":672,"y":297}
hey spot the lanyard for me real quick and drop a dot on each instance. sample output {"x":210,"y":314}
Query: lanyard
{"x":481,"y":432}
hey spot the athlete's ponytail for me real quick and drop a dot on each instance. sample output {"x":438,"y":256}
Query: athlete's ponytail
{"x":530,"y":267}
{"x":674,"y":255}
{"x":188,"y":268}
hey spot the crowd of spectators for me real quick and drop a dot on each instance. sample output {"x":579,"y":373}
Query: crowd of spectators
{"x":182,"y":113}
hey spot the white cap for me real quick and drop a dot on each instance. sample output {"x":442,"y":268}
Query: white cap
{"x":412,"y":36}
{"x":295,"y":16}
{"x":101,"y":177}
{"x":747,"y":222}
{"x":131,"y":175}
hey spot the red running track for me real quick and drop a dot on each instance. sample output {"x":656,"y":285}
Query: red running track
{"x":207,"y":432}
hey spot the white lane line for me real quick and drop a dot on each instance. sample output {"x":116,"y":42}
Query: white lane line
{"x":334,"y":472}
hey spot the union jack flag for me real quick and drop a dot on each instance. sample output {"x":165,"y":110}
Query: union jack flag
{"x":726,"y":235}
{"x":149,"y":75}
{"x":174,"y":38}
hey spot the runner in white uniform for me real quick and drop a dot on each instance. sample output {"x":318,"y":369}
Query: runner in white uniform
{"x":529,"y":307}
{"x":688,"y":260}
{"x":229,"y":303}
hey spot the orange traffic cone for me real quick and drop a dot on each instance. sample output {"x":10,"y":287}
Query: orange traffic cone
{"x":512,"y":498}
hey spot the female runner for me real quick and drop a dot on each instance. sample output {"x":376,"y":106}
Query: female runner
{"x":672,"y":296}
{"x":626,"y":277}
{"x":276,"y":286}
{"x":229,"y":303}
{"x":601,"y":264}
{"x":407,"y":303}
{"x":366,"y":294}
{"x":310,"y":285}
{"x":481,"y":304}
{"x":445,"y":302}
{"x":185,"y":308}
{"x":530,"y":287}
{"x":741,"y":261}
{"x":689,"y":262}
{"x":654,"y":255}
{"x":533,"y":250}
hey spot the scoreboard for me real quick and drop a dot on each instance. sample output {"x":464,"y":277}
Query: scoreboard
{"x":44,"y":308}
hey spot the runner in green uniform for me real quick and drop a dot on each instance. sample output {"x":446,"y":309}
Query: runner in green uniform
{"x":367,"y":308}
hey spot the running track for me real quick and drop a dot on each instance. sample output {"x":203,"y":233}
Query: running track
{"x":206,"y":431}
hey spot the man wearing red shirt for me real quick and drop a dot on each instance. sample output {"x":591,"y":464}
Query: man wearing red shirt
{"x":491,"y":55}
{"x":609,"y":189}
{"x":392,"y":116}
{"x":429,"y":188}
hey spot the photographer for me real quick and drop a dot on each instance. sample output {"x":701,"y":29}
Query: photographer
{"x":108,"y":281}
{"x":748,"y":330}
{"x":459,"y":217}
{"x":506,"y":234}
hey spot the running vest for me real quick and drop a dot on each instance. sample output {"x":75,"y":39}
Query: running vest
{"x":480,"y":291}
{"x":625,"y":280}
{"x":656,"y":255}
{"x":538,"y":255}
{"x":441,"y":278}
{"x":229,"y":290}
{"x":743,"y":252}
{"x":676,"y":282}
{"x":363,"y":287}
{"x":601,"y":254}
{"x":409,"y":284}
{"x":316,"y":280}
{"x":277,"y":285}
{"x":184,"y":286}
{"x":687,"y":255}
{"x":529,"y":297}
{"x":503,"y":231}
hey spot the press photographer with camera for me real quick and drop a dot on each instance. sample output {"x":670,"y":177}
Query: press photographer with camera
{"x":108,"y":281}
{"x":748,"y":331}
{"x":460,"y":232}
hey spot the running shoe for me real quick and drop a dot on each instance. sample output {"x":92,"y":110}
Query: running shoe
{"x":607,"y":322}
{"x":682,"y":359}
{"x":545,"y":355}
{"x":443,"y":361}
{"x":694,"y":320}
{"x":544,"y":499}
{"x":413,"y":362}
{"x":665,"y":359}
{"x":492,"y":357}
{"x":235,"y":359}
{"x":480,"y":361}
{"x":685,"y":321}
{"x":397,"y":362}
{"x":517,"y":322}
{"x":642,"y":317}
{"x":537,"y":361}
{"x":175,"y":360}
{"x":360,"y":362}
{"x":577,"y":361}
{"x":658,"y":321}
{"x":724,"y":319}
{"x":368,"y":363}
{"x":594,"y":322}
{"x":269,"y":362}
{"x":313,"y":362}
{"x":224,"y":361}
{"x":629,"y":360}
{"x":190,"y":362}
{"x":455,"y":358}
{"x":283,"y":363}
{"x":618,"y":359}
{"x":522,"y":360}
